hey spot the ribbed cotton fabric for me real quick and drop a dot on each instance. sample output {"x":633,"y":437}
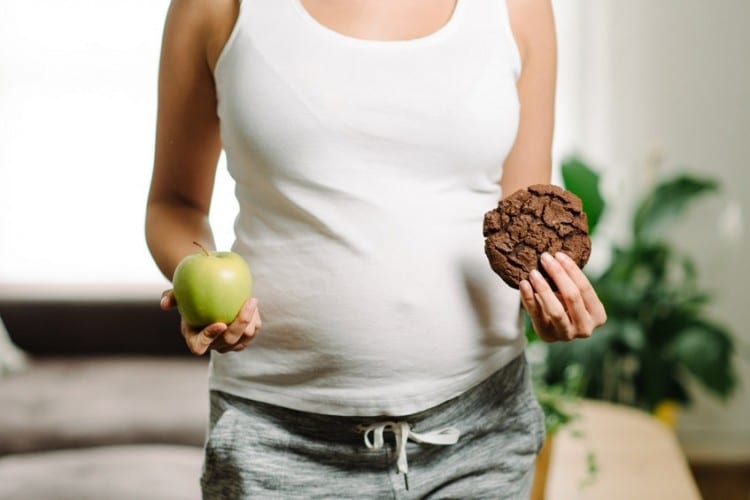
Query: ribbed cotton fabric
{"x":363,"y":170}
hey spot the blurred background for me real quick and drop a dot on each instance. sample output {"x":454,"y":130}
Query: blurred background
{"x":646,"y":91}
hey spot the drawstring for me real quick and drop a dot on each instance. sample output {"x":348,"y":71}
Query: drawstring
{"x":402,"y":431}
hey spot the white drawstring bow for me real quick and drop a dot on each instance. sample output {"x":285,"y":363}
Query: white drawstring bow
{"x":402,"y":431}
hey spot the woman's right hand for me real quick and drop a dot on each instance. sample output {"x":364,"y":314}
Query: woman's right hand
{"x":219,"y":336}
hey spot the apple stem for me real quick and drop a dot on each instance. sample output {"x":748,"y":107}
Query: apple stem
{"x":203,"y":249}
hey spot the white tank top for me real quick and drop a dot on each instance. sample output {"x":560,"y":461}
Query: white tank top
{"x":363,"y":171}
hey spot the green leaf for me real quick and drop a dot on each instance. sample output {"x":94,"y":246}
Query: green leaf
{"x":632,"y":335}
{"x":588,"y":354}
{"x":582,"y":181}
{"x":705,"y":351}
{"x":656,"y":336}
{"x":667,"y":200}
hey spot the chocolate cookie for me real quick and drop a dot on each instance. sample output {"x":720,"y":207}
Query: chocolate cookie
{"x":541,"y":218}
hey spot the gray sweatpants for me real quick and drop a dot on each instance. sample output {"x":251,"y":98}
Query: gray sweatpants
{"x":257,"y":450}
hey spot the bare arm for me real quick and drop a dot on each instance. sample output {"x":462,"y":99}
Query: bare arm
{"x":530,"y":159}
{"x":188,"y":145}
{"x":187,"y":138}
{"x":574,"y":311}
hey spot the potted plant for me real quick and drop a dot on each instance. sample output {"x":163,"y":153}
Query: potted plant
{"x":657,"y":332}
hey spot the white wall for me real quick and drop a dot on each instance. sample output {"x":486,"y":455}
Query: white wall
{"x":77,"y":118}
{"x":668,"y":83}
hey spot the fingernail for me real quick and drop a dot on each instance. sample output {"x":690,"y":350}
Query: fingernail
{"x":536,"y":275}
{"x":562,"y":256}
{"x":546,"y":257}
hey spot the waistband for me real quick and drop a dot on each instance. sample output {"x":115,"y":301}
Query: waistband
{"x":503,"y":385}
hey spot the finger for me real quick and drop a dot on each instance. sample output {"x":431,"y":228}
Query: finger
{"x":223,"y":345}
{"x":531,"y":303}
{"x":590,"y":298}
{"x":240,"y":324}
{"x":551,"y":306}
{"x":220,"y":345}
{"x":249,"y":333}
{"x":244,"y":342}
{"x":200,"y":342}
{"x":557,"y":273}
{"x":543,"y":316}
{"x":533,"y":307}
{"x":570,"y":295}
{"x":167,"y":300}
{"x":255,"y":323}
{"x":527,"y":298}
{"x":227,"y":342}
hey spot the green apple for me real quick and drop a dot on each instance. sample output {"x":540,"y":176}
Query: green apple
{"x":211,"y":287}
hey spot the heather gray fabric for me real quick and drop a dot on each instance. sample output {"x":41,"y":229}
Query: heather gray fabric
{"x":256,"y":450}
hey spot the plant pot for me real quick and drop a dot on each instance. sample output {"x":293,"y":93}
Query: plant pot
{"x":541,"y":470}
{"x":666,"y":412}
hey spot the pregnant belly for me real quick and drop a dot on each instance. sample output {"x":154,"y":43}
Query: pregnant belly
{"x":426,"y":310}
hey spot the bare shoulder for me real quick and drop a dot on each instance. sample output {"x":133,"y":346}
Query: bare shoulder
{"x":533,"y":26}
{"x":221,"y":19}
{"x":204,"y":25}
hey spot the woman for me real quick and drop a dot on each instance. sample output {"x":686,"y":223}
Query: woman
{"x":366,"y":139}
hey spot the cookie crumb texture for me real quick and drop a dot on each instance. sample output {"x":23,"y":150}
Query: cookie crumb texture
{"x":541,"y":218}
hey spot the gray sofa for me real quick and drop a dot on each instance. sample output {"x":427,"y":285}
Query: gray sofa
{"x":110,"y":406}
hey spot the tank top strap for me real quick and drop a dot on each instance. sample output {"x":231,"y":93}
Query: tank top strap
{"x":504,"y":25}
{"x":490,"y":20}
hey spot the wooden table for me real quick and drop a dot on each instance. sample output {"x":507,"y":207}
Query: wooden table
{"x":636,"y":457}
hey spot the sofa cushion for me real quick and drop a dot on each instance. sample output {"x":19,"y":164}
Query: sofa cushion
{"x":78,"y":402}
{"x":140,"y":472}
{"x":99,"y":325}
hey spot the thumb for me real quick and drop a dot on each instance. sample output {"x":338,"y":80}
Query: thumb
{"x":205,"y":337}
{"x":167,"y":300}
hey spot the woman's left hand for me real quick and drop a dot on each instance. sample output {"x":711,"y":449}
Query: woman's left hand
{"x":574,"y":311}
